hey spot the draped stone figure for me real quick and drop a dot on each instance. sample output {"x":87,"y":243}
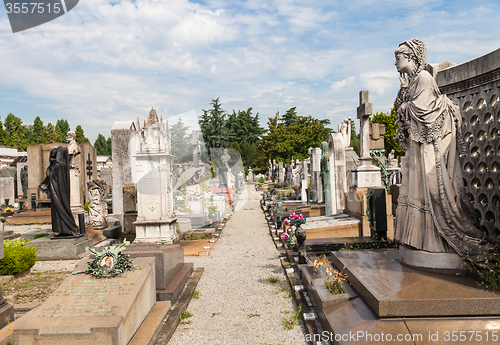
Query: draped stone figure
{"x":57,"y":186}
{"x":434,"y":213}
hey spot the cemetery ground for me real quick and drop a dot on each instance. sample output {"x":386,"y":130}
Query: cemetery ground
{"x":243,"y":296}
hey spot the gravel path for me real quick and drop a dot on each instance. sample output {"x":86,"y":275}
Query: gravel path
{"x":238,"y":303}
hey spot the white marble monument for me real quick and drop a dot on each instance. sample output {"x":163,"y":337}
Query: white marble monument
{"x":156,"y":221}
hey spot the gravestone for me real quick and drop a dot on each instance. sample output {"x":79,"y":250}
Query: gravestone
{"x":123,"y":145}
{"x":304,"y":179}
{"x":75,"y":173}
{"x":89,"y":310}
{"x":98,"y":206}
{"x":377,"y":131}
{"x":316,"y":185}
{"x":366,"y":174}
{"x":155,"y":205}
{"x":344,"y":128}
{"x":281,"y":176}
{"x":7,"y":190}
{"x":337,"y":167}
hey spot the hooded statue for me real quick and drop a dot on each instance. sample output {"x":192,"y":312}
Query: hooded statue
{"x":57,"y":186}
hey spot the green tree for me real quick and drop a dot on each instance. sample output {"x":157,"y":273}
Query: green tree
{"x":64,"y":127}
{"x":108,"y":141}
{"x":50,"y":131}
{"x":58,"y":135}
{"x":389,"y":120}
{"x":8,"y":122}
{"x":39,"y":133}
{"x":180,"y":142}
{"x":355,"y":142}
{"x":3,"y":135}
{"x":213,"y":126}
{"x":80,"y":137}
{"x":17,"y":133}
{"x":283,"y":141}
{"x":101,"y":146}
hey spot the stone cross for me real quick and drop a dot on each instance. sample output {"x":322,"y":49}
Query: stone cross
{"x":365,"y":109}
{"x":89,"y":167}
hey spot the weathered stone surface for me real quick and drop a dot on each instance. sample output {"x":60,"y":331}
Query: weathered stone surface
{"x":121,"y":136}
{"x":393,"y":290}
{"x":332,"y":227}
{"x":70,"y":248}
{"x":168,"y":259}
{"x":86,"y":310}
{"x":7,"y":190}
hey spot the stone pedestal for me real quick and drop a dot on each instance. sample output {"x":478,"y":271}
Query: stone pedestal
{"x":316,"y":184}
{"x":68,"y":248}
{"x":366,"y":175}
{"x":169,"y":260}
{"x":74,"y":184}
{"x":421,"y":259}
{"x":89,"y":310}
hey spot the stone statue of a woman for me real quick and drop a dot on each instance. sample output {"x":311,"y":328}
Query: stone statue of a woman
{"x":433,"y":212}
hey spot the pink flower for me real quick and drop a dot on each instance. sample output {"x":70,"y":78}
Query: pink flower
{"x":285,"y":236}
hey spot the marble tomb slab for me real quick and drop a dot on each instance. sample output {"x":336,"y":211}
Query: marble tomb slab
{"x":393,"y":290}
{"x":87,"y":310}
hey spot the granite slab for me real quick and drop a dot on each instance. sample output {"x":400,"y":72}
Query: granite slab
{"x":393,"y":290}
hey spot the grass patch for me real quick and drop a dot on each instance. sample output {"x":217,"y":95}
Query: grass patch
{"x":196,"y":294}
{"x":218,"y":313}
{"x":186,"y":314}
{"x":290,"y":322}
{"x":273,"y":280}
{"x":253,"y":315}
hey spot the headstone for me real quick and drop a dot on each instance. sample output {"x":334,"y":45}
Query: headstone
{"x":155,"y":215}
{"x":89,"y":310}
{"x":107,"y":175}
{"x":98,"y":206}
{"x":288,"y":173}
{"x":281,"y":176}
{"x":337,"y":167}
{"x":304,"y":180}
{"x":366,"y":174}
{"x":316,"y":184}
{"x":123,"y":144}
{"x":7,"y":190}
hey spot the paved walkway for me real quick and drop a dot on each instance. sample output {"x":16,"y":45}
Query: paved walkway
{"x":238,"y":304}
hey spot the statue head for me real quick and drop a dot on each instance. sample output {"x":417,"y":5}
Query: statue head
{"x":70,"y":136}
{"x":411,"y":57}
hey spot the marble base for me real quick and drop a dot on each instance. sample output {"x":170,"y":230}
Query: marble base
{"x":366,"y":175}
{"x":422,"y":259}
{"x":155,"y":231}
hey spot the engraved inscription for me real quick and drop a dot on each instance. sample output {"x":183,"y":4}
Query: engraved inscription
{"x":88,"y":298}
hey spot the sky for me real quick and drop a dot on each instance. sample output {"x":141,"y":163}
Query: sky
{"x":112,"y":60}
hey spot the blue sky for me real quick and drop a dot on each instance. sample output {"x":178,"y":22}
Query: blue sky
{"x":113,"y":60}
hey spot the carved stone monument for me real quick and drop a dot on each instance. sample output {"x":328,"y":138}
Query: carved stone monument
{"x":433,"y":215}
{"x":337,"y":166}
{"x":98,"y":207}
{"x":75,"y":173}
{"x":155,"y":219}
{"x":316,"y":185}
{"x":366,"y":174}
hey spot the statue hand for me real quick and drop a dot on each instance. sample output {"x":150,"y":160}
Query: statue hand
{"x":403,"y":79}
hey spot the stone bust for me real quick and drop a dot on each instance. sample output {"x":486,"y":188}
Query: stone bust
{"x":73,"y":147}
